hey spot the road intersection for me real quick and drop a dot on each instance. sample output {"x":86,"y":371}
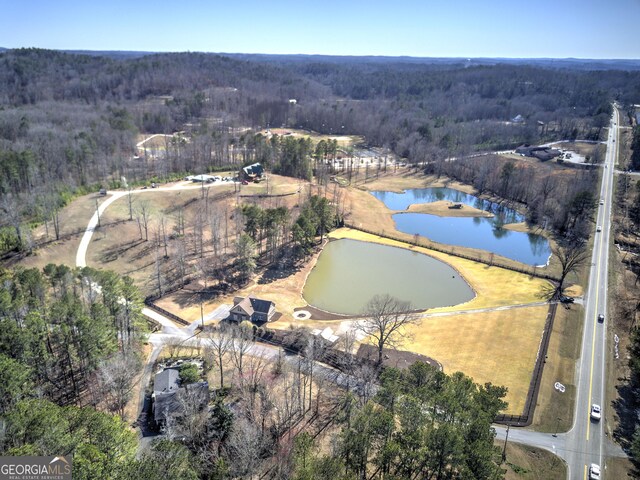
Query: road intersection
{"x":587,"y":442}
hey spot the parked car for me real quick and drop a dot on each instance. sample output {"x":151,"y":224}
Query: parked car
{"x":601,"y":318}
{"x":594,"y":471}
{"x":596,"y":412}
{"x":565,"y":299}
{"x":153,"y":185}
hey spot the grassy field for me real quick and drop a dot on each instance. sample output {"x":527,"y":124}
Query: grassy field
{"x":529,"y":463}
{"x":496,"y":346}
{"x":554,"y":410}
{"x":73,"y":222}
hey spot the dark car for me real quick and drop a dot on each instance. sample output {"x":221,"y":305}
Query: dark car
{"x":601,"y":318}
{"x":565,"y":299}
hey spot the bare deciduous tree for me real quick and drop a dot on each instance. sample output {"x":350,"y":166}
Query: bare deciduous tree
{"x":143,"y":217}
{"x":116,"y":379}
{"x":130,"y":203}
{"x":180,"y":258}
{"x":241,"y":343}
{"x":571,"y":259}
{"x":219,"y":342}
{"x":387,"y":319}
{"x":244,"y":446}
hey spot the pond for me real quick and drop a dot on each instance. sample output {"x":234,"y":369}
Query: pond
{"x":349,"y":272}
{"x":401,"y":201}
{"x":473,"y":232}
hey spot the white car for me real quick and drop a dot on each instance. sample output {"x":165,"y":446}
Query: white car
{"x":596,"y":412}
{"x":594,"y":471}
{"x":601,"y":202}
{"x":598,"y":228}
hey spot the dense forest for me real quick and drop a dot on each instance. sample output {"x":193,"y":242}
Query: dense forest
{"x":69,"y":122}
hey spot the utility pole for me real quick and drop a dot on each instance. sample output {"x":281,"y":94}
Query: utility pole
{"x":504,"y":449}
{"x":201,"y":314}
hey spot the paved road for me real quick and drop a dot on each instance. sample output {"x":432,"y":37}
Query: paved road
{"x":587,"y":441}
{"x":81,"y":254}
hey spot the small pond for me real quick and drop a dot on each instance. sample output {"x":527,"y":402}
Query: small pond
{"x":401,"y":201}
{"x":349,"y":272}
{"x":473,"y":232}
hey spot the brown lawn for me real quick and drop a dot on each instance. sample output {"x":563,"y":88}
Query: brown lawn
{"x":497,"y":346}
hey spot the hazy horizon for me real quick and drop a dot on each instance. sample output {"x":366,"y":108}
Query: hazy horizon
{"x":589,"y":30}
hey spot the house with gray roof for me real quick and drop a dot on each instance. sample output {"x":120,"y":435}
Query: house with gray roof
{"x":169,"y":397}
{"x":252,"y":309}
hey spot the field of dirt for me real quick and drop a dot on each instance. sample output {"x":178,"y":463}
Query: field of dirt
{"x":343,"y":140}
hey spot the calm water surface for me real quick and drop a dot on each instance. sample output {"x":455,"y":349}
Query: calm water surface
{"x":349,"y":272}
{"x":473,"y":232}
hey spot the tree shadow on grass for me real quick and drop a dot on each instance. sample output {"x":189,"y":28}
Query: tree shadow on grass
{"x":187,"y":297}
{"x":112,"y":254}
{"x":280,"y":270}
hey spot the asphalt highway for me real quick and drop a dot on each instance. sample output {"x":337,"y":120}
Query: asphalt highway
{"x":586,"y":442}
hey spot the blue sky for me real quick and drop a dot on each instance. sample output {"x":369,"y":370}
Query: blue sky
{"x":425,"y":28}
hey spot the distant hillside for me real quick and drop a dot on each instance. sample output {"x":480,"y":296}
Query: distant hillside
{"x":568,"y":63}
{"x":69,"y":119}
{"x":116,"y":54}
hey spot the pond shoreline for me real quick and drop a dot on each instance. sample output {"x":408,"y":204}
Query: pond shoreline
{"x":349,"y":272}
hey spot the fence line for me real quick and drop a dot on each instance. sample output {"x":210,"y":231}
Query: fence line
{"x":533,"y":271}
{"x":525,"y":419}
{"x":149,"y":303}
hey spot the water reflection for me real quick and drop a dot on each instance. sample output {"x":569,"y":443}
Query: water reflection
{"x":349,"y":272}
{"x":474,"y":232}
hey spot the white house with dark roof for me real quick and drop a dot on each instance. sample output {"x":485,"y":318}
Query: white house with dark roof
{"x":252,"y":172}
{"x":252,"y":309}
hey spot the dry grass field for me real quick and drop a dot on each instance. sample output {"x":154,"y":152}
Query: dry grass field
{"x":563,"y":353}
{"x":73,"y":222}
{"x":529,"y":463}
{"x":496,"y":346}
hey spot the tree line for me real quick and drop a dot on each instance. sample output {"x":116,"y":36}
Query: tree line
{"x":60,"y":327}
{"x":70,"y":123}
